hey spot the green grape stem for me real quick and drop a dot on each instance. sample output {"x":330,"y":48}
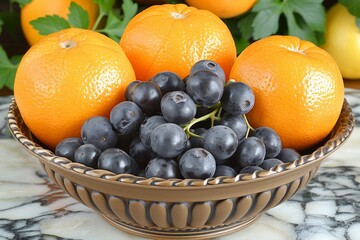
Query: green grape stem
{"x":249,"y":127}
{"x":212,"y":115}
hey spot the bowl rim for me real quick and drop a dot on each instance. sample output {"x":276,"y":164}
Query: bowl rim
{"x":338,"y":136}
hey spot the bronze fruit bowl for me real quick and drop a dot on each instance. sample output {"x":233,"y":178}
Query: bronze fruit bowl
{"x":181,"y":208}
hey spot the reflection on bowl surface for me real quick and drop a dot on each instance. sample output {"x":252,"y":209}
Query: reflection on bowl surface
{"x":180,"y":208}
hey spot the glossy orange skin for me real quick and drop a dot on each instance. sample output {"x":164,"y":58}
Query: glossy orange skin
{"x":299,"y":91}
{"x":58,"y":88}
{"x":40,"y":8}
{"x":224,"y":8}
{"x":173,"y":38}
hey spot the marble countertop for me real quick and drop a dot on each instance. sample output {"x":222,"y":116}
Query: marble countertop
{"x":32,"y":207}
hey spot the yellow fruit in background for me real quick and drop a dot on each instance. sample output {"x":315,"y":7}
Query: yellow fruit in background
{"x":40,"y":8}
{"x":342,"y":41}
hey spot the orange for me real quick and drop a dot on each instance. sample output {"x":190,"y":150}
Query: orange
{"x":40,"y":8}
{"x":223,"y":8}
{"x":299,"y":90}
{"x":173,"y":37}
{"x":68,"y":77}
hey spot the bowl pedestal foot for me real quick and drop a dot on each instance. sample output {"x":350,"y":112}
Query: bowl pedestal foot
{"x":190,"y":234}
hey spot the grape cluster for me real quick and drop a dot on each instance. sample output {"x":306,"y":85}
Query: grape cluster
{"x":170,"y":127}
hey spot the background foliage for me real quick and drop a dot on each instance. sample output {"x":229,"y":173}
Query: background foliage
{"x":305,"y":19}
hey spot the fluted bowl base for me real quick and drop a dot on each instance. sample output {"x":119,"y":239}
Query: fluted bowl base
{"x":198,"y":234}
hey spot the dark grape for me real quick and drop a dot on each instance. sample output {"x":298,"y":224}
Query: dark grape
{"x":238,"y":98}
{"x":250,"y":152}
{"x":226,"y":161}
{"x":197,"y":163}
{"x":205,"y":88}
{"x":145,"y":134}
{"x":207,"y":123}
{"x":201,"y":111}
{"x":135,"y":168}
{"x":168,"y":140}
{"x":124,"y":141}
{"x":168,"y":82}
{"x":129,"y":89}
{"x":88,"y":155}
{"x":236,"y":123}
{"x":221,"y":141}
{"x":178,"y":107}
{"x":147,"y":95}
{"x":270,"y":139}
{"x":197,"y":142}
{"x":269,"y":163}
{"x":185,"y":80}
{"x":67,"y":147}
{"x":250,"y":169}
{"x":208,"y":65}
{"x":99,"y":132}
{"x":126,"y":117}
{"x":140,"y":153}
{"x":141,"y":173}
{"x":148,"y":125}
{"x":115,"y":160}
{"x":187,"y":145}
{"x":162,"y":168}
{"x":223,"y":170}
{"x":288,"y":155}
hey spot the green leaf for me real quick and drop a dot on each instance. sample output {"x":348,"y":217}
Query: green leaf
{"x":305,"y":19}
{"x":115,"y":25}
{"x":112,"y":26}
{"x":21,"y":3}
{"x":11,"y":23}
{"x":15,"y":60}
{"x":320,"y":38}
{"x":245,"y":25}
{"x":1,"y":24}
{"x":241,"y":44}
{"x":175,"y":1}
{"x":105,"y":6}
{"x":353,"y":6}
{"x":266,"y":23}
{"x":78,"y":17}
{"x":129,"y":10}
{"x":262,"y":5}
{"x":49,"y":24}
{"x":7,"y":70}
{"x":3,"y":57}
{"x":312,"y":11}
{"x":294,"y":29}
